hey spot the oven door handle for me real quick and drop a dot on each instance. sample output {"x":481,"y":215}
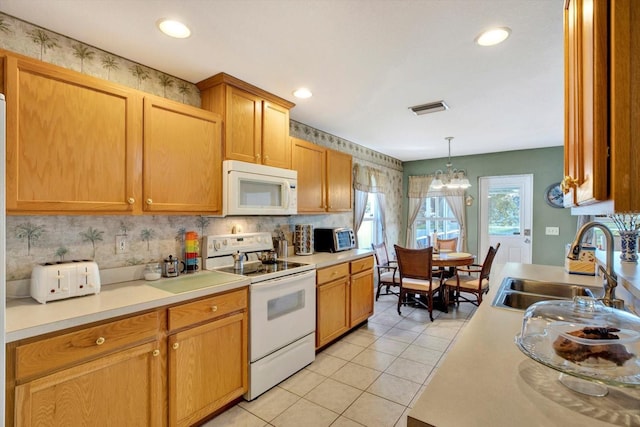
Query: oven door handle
{"x":284,"y":280}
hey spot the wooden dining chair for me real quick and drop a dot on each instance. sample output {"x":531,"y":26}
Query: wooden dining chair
{"x":447,"y":244}
{"x":474,"y":279}
{"x":388,"y":275}
{"x":450,"y":245}
{"x":415,"y":277}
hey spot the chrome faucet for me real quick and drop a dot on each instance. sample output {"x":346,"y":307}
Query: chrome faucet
{"x":610,"y":278}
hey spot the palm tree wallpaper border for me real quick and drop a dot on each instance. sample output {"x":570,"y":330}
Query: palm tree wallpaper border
{"x":26,"y":39}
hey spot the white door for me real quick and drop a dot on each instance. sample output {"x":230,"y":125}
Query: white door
{"x":506,"y":217}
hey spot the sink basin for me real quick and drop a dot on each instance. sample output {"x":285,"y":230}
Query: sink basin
{"x":522,"y":301}
{"x":562,"y":290}
{"x":518,"y":294}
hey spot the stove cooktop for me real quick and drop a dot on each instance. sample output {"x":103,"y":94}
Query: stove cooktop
{"x":259,"y":268}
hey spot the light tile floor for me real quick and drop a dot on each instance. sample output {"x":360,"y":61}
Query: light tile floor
{"x":370,"y":377}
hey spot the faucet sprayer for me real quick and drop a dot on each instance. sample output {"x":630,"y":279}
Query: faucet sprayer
{"x":610,"y":278}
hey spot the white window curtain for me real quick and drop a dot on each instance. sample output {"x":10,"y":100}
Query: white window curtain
{"x":367,"y":179}
{"x":417,"y":192}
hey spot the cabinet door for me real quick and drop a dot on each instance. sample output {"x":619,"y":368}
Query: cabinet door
{"x":122,"y":389}
{"x":361,"y":297}
{"x":243,"y":127}
{"x":586,"y":97}
{"x":276,"y":145}
{"x":310,"y":162}
{"x":332,"y":301}
{"x":74,"y":142}
{"x":208,"y":368}
{"x":182,"y":158}
{"x":339,"y":178}
{"x":625,"y":105}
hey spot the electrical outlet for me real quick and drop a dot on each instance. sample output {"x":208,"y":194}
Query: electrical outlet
{"x":552,"y":231}
{"x":121,"y":244}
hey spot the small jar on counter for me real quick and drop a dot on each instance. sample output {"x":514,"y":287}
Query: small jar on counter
{"x":152,"y":271}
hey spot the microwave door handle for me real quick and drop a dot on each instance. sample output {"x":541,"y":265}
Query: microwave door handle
{"x":286,"y":193}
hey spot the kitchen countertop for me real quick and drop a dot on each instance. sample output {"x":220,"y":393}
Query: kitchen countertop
{"x":326,"y":259}
{"x":485,"y":380}
{"x":26,"y":318}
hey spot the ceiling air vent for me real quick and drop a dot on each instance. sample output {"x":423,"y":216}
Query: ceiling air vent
{"x":431,"y":107}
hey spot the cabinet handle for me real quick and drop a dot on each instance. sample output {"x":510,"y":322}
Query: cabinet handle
{"x":149,"y":201}
{"x":131,"y":200}
{"x":156,"y":353}
{"x":258,"y":156}
{"x":175,"y":346}
{"x":567,"y":183}
{"x":100,"y":341}
{"x":266,"y":157}
{"x":214,"y":308}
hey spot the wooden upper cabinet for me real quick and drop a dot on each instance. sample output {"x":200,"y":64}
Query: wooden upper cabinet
{"x":324,"y":178}
{"x":276,"y":145}
{"x":586,"y":97}
{"x":339,"y":181}
{"x":602,"y":159}
{"x":256,"y":121}
{"x":310,"y":161}
{"x":182,"y":156}
{"x":73,"y":141}
{"x":243,"y":126}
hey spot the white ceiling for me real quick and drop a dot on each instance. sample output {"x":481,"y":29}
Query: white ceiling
{"x":366,"y":62}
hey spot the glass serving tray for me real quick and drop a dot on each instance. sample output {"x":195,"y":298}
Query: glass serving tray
{"x":540,"y":349}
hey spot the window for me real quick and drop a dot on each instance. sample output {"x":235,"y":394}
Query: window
{"x":435,"y":215}
{"x":504,"y":211}
{"x":370,"y":230}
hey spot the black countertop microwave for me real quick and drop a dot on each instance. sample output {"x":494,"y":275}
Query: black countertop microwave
{"x":333,"y":239}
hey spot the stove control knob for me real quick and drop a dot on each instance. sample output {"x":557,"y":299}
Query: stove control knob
{"x":217,"y":245}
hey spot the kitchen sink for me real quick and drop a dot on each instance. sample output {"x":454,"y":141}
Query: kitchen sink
{"x":555,"y":289}
{"x":519,"y":294}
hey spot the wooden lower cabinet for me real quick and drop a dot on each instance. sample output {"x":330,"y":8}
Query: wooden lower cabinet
{"x":124,"y":388}
{"x":332,"y":301}
{"x":172,"y":366}
{"x":344,"y":298}
{"x":103,"y":375}
{"x":208,"y":363}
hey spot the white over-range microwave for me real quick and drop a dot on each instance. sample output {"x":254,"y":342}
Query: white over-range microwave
{"x":251,"y":189}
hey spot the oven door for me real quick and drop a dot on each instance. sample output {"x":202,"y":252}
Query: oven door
{"x":283,"y":310}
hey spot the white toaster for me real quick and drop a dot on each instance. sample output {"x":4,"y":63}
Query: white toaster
{"x":66,"y":279}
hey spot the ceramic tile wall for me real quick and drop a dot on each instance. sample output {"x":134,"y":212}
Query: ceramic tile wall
{"x":37,"y":239}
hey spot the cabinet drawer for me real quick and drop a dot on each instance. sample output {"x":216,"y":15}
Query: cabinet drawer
{"x":361,"y":265}
{"x":52,"y":353}
{"x":207,"y":309}
{"x":334,"y":272}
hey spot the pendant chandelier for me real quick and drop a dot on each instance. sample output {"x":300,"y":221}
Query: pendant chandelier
{"x":452,"y":178}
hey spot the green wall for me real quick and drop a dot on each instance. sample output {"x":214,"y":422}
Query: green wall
{"x":546,"y":165}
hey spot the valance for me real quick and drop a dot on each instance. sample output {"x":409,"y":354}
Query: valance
{"x":419,"y":186}
{"x":369,"y":179}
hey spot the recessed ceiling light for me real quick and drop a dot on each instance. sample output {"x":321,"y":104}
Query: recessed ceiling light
{"x":493,"y":36}
{"x":174,"y":28}
{"x":302,"y":93}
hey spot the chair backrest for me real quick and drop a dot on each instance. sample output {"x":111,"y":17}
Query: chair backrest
{"x":448,"y":244}
{"x":488,"y":261}
{"x":381,"y":254}
{"x":414,"y":263}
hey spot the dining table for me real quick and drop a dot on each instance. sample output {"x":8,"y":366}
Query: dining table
{"x":449,"y":260}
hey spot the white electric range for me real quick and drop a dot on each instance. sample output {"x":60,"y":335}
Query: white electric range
{"x":282,"y":307}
